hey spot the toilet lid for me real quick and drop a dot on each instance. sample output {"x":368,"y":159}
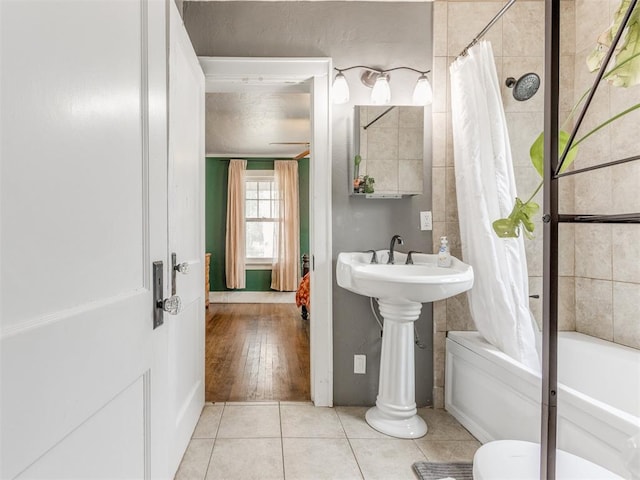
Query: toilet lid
{"x":519,"y":460}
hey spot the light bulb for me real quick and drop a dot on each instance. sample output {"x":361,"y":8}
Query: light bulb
{"x":381,"y":93}
{"x":340,"y":90}
{"x":422,"y":93}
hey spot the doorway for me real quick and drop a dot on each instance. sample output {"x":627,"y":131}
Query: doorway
{"x":310,"y":75}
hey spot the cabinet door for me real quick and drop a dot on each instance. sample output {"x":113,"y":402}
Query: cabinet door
{"x":390,"y":141}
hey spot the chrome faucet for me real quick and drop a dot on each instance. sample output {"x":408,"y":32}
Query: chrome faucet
{"x":392,"y":245}
{"x":409,"y":258}
{"x":374,"y":258}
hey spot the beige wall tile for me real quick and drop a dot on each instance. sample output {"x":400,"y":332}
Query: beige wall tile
{"x":439,"y":84}
{"x":458,"y":313}
{"x":566,"y":251}
{"x":438,"y":194}
{"x":523,"y":30}
{"x":524,"y":128}
{"x":452,"y":231}
{"x":440,"y":29}
{"x":626,"y":316}
{"x":593,"y":251}
{"x":593,"y":18}
{"x":566,"y":304}
{"x":626,"y":253}
{"x":567,"y":27}
{"x":593,"y":192}
{"x":566,"y":195}
{"x":567,"y":81}
{"x":535,"y":304}
{"x":438,"y":358}
{"x":594,"y":306}
{"x":533,"y":250}
{"x":440,"y":316}
{"x":451,"y":205}
{"x":450,"y":160}
{"x":438,"y":397}
{"x":438,"y":139}
{"x":624,"y":128}
{"x":625,"y":182}
{"x":466,"y":19}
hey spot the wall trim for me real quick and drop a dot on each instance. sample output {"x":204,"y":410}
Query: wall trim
{"x":313,"y":75}
{"x":252,"y":297}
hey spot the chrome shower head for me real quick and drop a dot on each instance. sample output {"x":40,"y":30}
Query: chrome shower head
{"x":525,"y":87}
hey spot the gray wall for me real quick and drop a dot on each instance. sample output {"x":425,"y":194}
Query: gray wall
{"x":378,"y":34}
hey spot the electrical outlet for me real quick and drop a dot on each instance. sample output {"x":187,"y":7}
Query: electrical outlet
{"x":360,"y":364}
{"x":426,"y":221}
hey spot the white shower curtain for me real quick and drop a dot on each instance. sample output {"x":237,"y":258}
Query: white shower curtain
{"x":486,"y":191}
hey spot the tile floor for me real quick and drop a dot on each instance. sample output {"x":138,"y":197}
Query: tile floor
{"x":292,"y":440}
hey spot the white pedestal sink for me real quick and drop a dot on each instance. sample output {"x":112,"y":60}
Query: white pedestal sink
{"x":401,"y":290}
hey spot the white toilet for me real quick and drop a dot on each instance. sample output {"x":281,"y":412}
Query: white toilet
{"x":519,"y":460}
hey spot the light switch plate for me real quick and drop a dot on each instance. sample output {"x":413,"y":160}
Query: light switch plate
{"x":426,"y":221}
{"x":360,"y":364}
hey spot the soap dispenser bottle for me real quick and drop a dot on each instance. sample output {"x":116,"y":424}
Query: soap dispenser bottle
{"x":444,"y":256}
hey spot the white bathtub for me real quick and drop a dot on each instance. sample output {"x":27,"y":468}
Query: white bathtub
{"x":496,"y":398}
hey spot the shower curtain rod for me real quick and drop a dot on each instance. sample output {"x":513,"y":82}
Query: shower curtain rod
{"x":502,"y":11}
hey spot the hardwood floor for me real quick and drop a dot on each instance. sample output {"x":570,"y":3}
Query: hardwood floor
{"x":256,"y":352}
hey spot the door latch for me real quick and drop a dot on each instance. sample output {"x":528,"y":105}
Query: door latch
{"x":171,"y":305}
{"x":177,"y":267}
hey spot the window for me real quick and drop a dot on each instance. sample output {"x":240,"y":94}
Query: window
{"x":261,"y":217}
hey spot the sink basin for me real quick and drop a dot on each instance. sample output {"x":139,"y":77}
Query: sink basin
{"x":421,"y":282}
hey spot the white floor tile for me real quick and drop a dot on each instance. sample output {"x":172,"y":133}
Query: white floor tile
{"x":386,"y":459}
{"x":354,"y":423}
{"x":247,"y":458}
{"x":319,"y":458}
{"x":250,"y":421}
{"x":448,"y":450}
{"x":443,"y":426}
{"x":310,"y":422}
{"x":196,"y":460}
{"x":207,"y":426}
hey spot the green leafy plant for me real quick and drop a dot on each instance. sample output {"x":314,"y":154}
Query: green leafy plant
{"x":624,"y":72}
{"x":368,"y":184}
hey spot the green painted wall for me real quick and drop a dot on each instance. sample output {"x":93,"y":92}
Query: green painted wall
{"x":216,"y":171}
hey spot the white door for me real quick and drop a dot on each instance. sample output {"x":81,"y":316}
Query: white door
{"x":82,"y":219}
{"x":186,"y":235}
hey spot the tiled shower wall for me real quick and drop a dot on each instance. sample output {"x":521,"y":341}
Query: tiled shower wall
{"x":607,"y":267}
{"x":599,"y":266}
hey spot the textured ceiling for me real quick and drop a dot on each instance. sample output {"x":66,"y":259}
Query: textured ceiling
{"x":244,"y":124}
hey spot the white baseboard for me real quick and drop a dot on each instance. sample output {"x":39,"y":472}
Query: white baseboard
{"x":252,"y":297}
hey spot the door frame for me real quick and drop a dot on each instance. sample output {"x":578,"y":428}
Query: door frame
{"x":311,"y":75}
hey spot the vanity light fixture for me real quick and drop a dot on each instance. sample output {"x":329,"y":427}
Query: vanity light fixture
{"x":378,"y":81}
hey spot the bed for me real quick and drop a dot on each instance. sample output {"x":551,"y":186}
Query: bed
{"x":303,"y":294}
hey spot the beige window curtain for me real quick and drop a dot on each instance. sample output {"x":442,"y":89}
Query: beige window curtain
{"x":284,"y":275}
{"x":235,"y":236}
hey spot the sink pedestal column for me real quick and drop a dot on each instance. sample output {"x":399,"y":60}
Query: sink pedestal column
{"x":395,"y":412}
